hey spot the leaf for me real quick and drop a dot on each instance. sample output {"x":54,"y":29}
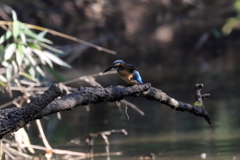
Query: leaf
{"x":5,"y":64}
{"x":19,"y":58}
{"x":28,"y":54}
{"x":199,"y":105}
{"x":14,"y":15}
{"x":28,"y":76}
{"x":16,"y":26}
{"x":40,"y":55}
{"x":43,"y":33}
{"x":35,"y":36}
{"x":56,"y":60}
{"x":20,"y":48}
{"x":5,"y":36}
{"x":43,"y":57}
{"x":2,"y":83}
{"x":26,"y":61}
{"x":49,"y":62}
{"x":16,"y":29}
{"x":40,"y":71}
{"x":19,"y":55}
{"x":9,"y":51}
{"x":50,"y":48}
{"x":33,"y":46}
{"x":32,"y":72}
{"x":23,"y":37}
{"x":230,"y":25}
{"x":3,"y":79}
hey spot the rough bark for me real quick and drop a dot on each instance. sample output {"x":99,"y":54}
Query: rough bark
{"x":15,"y":118}
{"x":45,"y":104}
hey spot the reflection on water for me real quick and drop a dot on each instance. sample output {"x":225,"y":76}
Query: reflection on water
{"x":166,"y":133}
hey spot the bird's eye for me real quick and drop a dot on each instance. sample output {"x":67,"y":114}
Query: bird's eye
{"x":117,"y":64}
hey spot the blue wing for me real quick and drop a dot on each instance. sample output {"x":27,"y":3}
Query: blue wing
{"x":137,"y":77}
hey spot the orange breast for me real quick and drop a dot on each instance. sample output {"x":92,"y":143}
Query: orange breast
{"x":126,"y":76}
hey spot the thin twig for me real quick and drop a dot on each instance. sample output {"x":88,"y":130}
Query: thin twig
{"x":62,"y":35}
{"x":15,"y":152}
{"x":133,"y":106}
{"x":44,"y":139}
{"x":91,"y":75}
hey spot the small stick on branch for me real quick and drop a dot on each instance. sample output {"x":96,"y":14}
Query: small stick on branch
{"x":198,"y":96}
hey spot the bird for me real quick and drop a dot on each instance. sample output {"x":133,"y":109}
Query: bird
{"x":127,"y":72}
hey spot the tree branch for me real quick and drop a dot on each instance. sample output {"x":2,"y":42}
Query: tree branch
{"x":43,"y":105}
{"x":158,"y":95}
{"x":15,"y":118}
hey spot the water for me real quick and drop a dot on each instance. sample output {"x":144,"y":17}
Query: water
{"x":169,"y":134}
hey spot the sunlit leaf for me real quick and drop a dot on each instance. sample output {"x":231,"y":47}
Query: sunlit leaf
{"x":28,"y":54}
{"x":16,"y":27}
{"x":5,"y":36}
{"x":42,"y":34}
{"x":230,"y":25}
{"x":9,"y":51}
{"x":2,"y":78}
{"x":19,"y":54}
{"x":199,"y":105}
{"x":14,"y":15}
{"x":49,"y":62}
{"x":40,"y":71}
{"x":2,"y":84}
{"x":40,"y":55}
{"x":16,"y":30}
{"x":23,"y":37}
{"x":26,"y":61}
{"x":9,"y":72}
{"x":32,"y":72}
{"x":50,"y":48}
{"x":19,"y":58}
{"x":35,"y":36}
{"x":56,"y":60}
{"x":20,"y":48}
{"x":5,"y":64}
{"x":27,"y":76}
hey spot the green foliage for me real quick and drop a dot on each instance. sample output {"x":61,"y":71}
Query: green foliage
{"x":198,"y":104}
{"x":23,"y":53}
{"x":233,"y":21}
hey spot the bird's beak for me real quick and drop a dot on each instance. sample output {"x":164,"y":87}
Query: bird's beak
{"x":109,"y":68}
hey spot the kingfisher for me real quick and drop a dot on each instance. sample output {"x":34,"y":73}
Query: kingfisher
{"x":127,"y":72}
